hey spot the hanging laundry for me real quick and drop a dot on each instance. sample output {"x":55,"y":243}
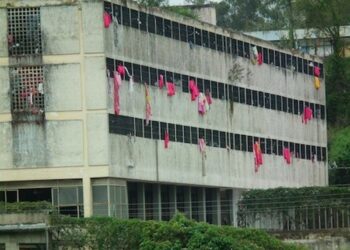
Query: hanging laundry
{"x":161,"y":81}
{"x":148,"y":105}
{"x":257,"y":156}
{"x":208,"y":96}
{"x":317,"y":71}
{"x":131,"y":84}
{"x":121,"y":70}
{"x":117,"y":83}
{"x":255,"y":51}
{"x":171,"y":88}
{"x":260,"y":58}
{"x":107,"y":19}
{"x":202,"y":104}
{"x":317,"y":82}
{"x":166,"y":139}
{"x":287,"y":155}
{"x":307,"y":115}
{"x":193,"y":89}
{"x":202,"y":146}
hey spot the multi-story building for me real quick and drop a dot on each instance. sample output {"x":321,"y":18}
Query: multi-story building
{"x":62,"y":141}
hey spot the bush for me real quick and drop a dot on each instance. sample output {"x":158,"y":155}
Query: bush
{"x":25,"y":207}
{"x":177,"y":234}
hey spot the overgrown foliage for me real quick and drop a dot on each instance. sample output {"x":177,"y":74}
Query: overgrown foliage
{"x":183,"y":11}
{"x":25,"y":207}
{"x":180,"y":233}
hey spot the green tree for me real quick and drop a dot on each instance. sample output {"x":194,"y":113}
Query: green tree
{"x":153,"y":3}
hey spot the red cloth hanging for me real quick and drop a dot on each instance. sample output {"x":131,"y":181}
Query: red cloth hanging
{"x":307,"y":115}
{"x":208,"y":96}
{"x":317,"y":71}
{"x":257,"y":156}
{"x":287,"y":155}
{"x":166,"y":139}
{"x":107,"y":19}
{"x":117,"y":83}
{"x":171,"y":88}
{"x":201,"y":145}
{"x":260,"y":58}
{"x":193,"y":89}
{"x":161,"y":81}
{"x":148,"y":105}
{"x":121,"y":70}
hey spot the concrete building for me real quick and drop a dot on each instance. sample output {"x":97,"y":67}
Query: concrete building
{"x":307,"y":40}
{"x":62,"y":142}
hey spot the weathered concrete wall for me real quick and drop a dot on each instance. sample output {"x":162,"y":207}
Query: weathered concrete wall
{"x":5,"y":96}
{"x":97,"y":126}
{"x":60,"y":30}
{"x":63,"y":88}
{"x":139,"y":158}
{"x":207,"y":63}
{"x":93,"y":27}
{"x":95,"y":82}
{"x":6,"y":155}
{"x":3,"y":33}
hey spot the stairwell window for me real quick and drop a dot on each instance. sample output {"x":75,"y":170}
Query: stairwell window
{"x":24,"y":31}
{"x":27,"y":89}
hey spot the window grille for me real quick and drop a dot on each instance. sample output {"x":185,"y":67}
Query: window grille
{"x":24,"y":33}
{"x":27,"y":89}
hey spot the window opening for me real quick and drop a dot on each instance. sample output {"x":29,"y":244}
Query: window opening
{"x":24,"y":31}
{"x":222,"y":139}
{"x":237,"y":142}
{"x":248,"y":97}
{"x":205,"y":37}
{"x":183,"y":33}
{"x":242,"y":95}
{"x":250,"y":143}
{"x":135,"y":21}
{"x":179,"y":133}
{"x":151,"y":24}
{"x":296,"y":107}
{"x":198,"y":36}
{"x":27,"y":88}
{"x":277,"y":58}
{"x":143,"y":21}
{"x":235,"y":94}
{"x":190,"y":34}
{"x":216,"y":138}
{"x":283,"y":60}
{"x":209,"y":137}
{"x":185,"y":80}
{"x":273,"y":102}
{"x":219,"y":42}
{"x":261,"y":99}
{"x":167,"y":28}
{"x":274,"y":146}
{"x":159,"y":26}
{"x":271,"y":56}
{"x":267,"y":100}
{"x":212,"y":40}
{"x":246,"y":50}
{"x":172,"y":132}
{"x":155,"y":130}
{"x":175,"y":30}
{"x":279,"y":102}
{"x":255,"y":98}
{"x":125,"y":16}
{"x":194,"y":135}
{"x":234,"y":46}
{"x":290,"y":105}
{"x":187,"y":134}
{"x":240,"y":48}
{"x":243,"y":142}
{"x":284,"y":104}
{"x":266,"y":55}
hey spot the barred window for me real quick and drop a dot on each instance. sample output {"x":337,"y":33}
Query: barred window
{"x":24,"y":32}
{"x":27,"y":89}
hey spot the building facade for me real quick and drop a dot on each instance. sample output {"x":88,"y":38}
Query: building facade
{"x":62,"y":141}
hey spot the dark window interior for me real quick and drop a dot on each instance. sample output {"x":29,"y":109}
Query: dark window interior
{"x":35,"y":194}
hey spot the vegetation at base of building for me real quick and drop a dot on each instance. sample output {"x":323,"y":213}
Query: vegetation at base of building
{"x":179,"y":233}
{"x":25,"y":207}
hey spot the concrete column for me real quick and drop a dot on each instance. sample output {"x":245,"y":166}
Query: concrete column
{"x":236,"y":194}
{"x":218,"y":206}
{"x":141,"y":210}
{"x":87,"y":194}
{"x":11,"y":246}
{"x":157,"y":202}
{"x":202,"y":207}
{"x":172,"y":201}
{"x":188,"y":203}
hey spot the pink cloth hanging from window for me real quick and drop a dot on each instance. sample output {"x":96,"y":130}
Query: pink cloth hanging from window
{"x":307,"y":115}
{"x":107,"y":19}
{"x":161,"y":81}
{"x":166,"y":139}
{"x":260,"y":58}
{"x":117,"y":83}
{"x":208,"y":96}
{"x":201,"y":145}
{"x":317,"y":71}
{"x":121,"y":70}
{"x":171,"y":88}
{"x":258,"y":159}
{"x":193,"y":89}
{"x":148,"y":105}
{"x":287,"y":155}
